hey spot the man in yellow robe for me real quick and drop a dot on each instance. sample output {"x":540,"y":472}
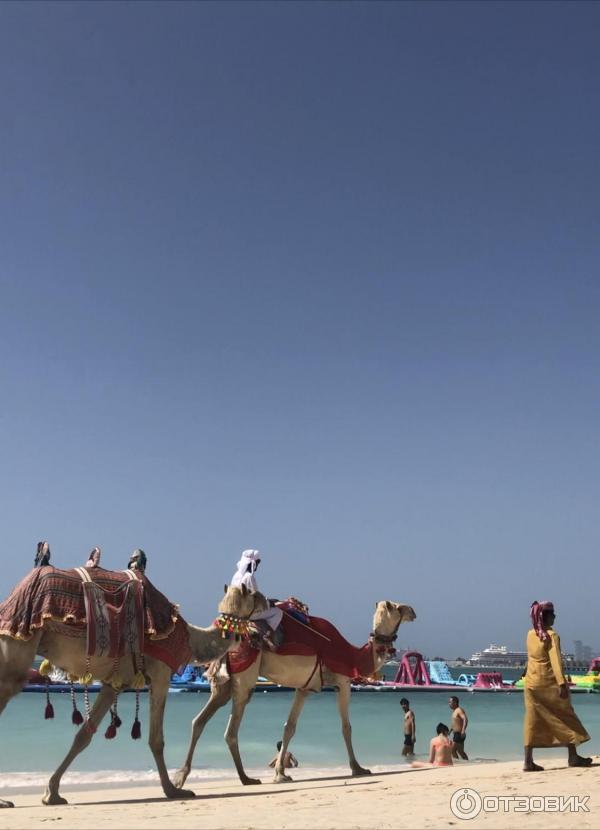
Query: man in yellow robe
{"x":550,"y":719}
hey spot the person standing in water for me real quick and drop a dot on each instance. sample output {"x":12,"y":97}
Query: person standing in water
{"x":410,"y":730}
{"x":459,"y":729}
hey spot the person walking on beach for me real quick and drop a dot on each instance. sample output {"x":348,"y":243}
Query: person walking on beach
{"x":440,"y":749}
{"x":288,"y":761}
{"x":459,"y":729}
{"x":410,"y":730}
{"x":550,"y":719}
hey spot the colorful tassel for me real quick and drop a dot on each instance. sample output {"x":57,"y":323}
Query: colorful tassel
{"x":117,"y":720}
{"x":111,"y":732}
{"x":136,"y":729}
{"x":76,"y":716}
{"x":139,"y":681}
{"x":49,"y":713}
{"x":116,"y":682}
{"x":45,"y":668}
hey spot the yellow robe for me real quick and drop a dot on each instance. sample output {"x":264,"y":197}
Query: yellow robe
{"x":549,"y":719}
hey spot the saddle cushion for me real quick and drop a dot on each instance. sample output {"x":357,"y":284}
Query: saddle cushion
{"x":316,"y":638}
{"x":124,"y":612}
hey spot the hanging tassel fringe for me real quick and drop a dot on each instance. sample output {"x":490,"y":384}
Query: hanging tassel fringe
{"x":136,"y":729}
{"x":115,"y":722}
{"x":76,"y":716}
{"x":45,"y":668}
{"x":49,"y":713}
{"x":139,"y":681}
{"x":111,"y":731}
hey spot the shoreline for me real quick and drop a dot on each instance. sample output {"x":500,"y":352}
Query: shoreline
{"x":394,"y":798}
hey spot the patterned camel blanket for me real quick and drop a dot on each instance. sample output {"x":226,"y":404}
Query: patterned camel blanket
{"x":115,"y":613}
{"x":316,"y":637}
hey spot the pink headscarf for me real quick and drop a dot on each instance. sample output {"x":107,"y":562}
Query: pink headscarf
{"x":537,"y":617}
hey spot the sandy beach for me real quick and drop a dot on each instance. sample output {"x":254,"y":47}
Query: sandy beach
{"x":404,"y":798}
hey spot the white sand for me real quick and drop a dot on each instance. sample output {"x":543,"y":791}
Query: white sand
{"x":403,"y":799}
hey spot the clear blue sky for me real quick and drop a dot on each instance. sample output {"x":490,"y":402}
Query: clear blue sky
{"x":319,"y":279}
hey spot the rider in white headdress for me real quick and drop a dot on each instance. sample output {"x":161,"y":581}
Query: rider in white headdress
{"x":245,"y":575}
{"x":246,"y":568}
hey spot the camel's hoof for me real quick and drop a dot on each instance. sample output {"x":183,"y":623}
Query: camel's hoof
{"x":246,"y":781}
{"x":361,"y":771}
{"x":4,"y":803}
{"x":282,"y":778}
{"x":52,"y":799}
{"x":179,"y":778}
{"x":180,"y":794}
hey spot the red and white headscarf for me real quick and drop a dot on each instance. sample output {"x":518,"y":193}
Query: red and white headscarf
{"x":537,"y":617}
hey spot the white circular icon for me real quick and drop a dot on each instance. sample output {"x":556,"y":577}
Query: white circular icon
{"x":466,"y":803}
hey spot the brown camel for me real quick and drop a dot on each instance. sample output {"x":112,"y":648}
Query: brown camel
{"x":299,"y":673}
{"x":62,"y":649}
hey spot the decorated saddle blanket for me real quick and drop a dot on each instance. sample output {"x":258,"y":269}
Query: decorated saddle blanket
{"x":308,"y":636}
{"x":116,"y":613}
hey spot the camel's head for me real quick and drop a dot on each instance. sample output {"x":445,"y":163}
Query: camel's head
{"x":237,"y":602}
{"x":261,"y":603}
{"x":389,"y":615}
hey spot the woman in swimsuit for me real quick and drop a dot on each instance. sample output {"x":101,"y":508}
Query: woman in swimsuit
{"x":440,"y":749}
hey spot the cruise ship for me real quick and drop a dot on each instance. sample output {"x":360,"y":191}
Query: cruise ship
{"x":495,"y":656}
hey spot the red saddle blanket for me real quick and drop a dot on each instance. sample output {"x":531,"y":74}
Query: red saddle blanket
{"x":316,"y":638}
{"x":116,"y":614}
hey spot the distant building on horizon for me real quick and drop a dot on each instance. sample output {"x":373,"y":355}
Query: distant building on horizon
{"x":583,"y":653}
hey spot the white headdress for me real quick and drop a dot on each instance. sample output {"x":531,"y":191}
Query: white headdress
{"x":245,"y":570}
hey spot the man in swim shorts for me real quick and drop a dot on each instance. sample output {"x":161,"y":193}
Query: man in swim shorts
{"x":410,"y":732}
{"x":459,"y":729}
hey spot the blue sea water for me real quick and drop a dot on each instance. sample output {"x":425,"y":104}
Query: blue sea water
{"x":32,"y":747}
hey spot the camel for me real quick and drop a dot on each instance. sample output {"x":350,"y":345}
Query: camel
{"x":62,"y":649}
{"x":299,"y":673}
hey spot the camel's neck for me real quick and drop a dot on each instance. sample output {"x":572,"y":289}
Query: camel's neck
{"x":207,"y":644}
{"x":382,"y":642}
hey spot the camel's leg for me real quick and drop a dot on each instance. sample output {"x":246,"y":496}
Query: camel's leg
{"x":289,"y":730}
{"x":84,"y":735}
{"x":343,"y":701}
{"x":158,"y":698}
{"x":16,"y":657}
{"x":241,"y":694}
{"x":219,"y":695}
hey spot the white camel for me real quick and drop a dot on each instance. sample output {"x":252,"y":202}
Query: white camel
{"x":299,"y":673}
{"x":62,"y":649}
